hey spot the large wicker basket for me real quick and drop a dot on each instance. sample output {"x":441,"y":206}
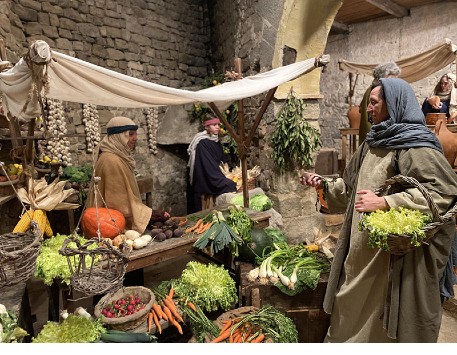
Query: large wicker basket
{"x":131,"y":321}
{"x":18,"y":254}
{"x":97,"y":270}
{"x":401,"y":244}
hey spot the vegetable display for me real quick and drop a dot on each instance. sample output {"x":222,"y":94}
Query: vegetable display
{"x":402,"y":221}
{"x":73,"y":329}
{"x":291,"y":268}
{"x":219,"y":236}
{"x":209,"y":287}
{"x":50,"y":264}
{"x":265,"y":323}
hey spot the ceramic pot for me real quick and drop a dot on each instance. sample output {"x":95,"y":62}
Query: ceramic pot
{"x":447,"y":139}
{"x":432,"y":118}
{"x":353,"y":115}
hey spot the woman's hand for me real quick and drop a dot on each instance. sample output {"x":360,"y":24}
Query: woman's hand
{"x":311,"y":179}
{"x":368,"y":201}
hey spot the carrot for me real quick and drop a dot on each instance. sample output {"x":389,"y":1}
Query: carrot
{"x":177,"y":325}
{"x":221,"y":337}
{"x":150,"y":316}
{"x":203,"y":228}
{"x":158,"y":309}
{"x":173,"y":309}
{"x":195,"y":226}
{"x":156,"y":321}
{"x":167,"y":312}
{"x":171,"y":293}
{"x":192,"y":306}
{"x":259,"y":339}
{"x":227,"y":325}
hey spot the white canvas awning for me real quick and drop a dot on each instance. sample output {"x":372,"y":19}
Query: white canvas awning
{"x":413,"y":68}
{"x":74,"y":80}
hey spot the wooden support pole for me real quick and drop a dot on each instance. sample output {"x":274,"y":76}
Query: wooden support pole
{"x":259,"y":115}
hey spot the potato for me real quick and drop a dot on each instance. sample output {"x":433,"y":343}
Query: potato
{"x":132,"y":234}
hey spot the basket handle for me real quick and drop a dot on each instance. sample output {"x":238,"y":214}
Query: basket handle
{"x":408,"y":181}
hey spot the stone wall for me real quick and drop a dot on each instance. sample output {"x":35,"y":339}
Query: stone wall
{"x":377,"y":42}
{"x":165,"y":42}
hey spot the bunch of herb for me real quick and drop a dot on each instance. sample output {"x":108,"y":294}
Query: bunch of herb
{"x":200,"y":324}
{"x":400,"y":221}
{"x":240,"y":222}
{"x":294,"y":140}
{"x":209,"y":287}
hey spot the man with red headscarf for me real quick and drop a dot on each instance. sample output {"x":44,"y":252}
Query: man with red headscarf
{"x":205,"y":176}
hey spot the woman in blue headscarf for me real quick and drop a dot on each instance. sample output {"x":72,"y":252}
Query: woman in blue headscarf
{"x":374,"y":296}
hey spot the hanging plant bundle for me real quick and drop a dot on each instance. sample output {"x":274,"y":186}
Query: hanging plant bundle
{"x":294,"y":140}
{"x":91,"y":126}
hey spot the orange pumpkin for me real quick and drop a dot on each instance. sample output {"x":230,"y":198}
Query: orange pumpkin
{"x":112,"y":222}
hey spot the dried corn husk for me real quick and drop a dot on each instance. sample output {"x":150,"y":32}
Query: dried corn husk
{"x":43,"y":196}
{"x":236,"y":173}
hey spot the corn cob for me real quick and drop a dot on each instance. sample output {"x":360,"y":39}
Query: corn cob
{"x":47,"y":229}
{"x":24,"y":223}
{"x":39,"y":216}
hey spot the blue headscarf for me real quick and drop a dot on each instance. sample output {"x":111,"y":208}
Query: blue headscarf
{"x":405,"y":127}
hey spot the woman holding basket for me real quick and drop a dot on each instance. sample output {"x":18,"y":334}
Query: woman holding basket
{"x":373,"y":295}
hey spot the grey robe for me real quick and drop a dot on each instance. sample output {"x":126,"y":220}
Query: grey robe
{"x":365,"y":304}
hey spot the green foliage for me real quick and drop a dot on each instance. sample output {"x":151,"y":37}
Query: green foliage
{"x":74,"y":329}
{"x":10,"y":332}
{"x":80,"y":174}
{"x":50,"y":264}
{"x":294,"y":141}
{"x":209,"y":287}
{"x":401,"y":221}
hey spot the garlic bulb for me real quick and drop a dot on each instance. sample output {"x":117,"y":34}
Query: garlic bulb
{"x":91,"y":126}
{"x":152,"y":120}
{"x":57,"y":147}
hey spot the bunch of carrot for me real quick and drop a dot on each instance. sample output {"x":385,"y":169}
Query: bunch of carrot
{"x":238,"y":331}
{"x":199,"y":227}
{"x":167,"y":310}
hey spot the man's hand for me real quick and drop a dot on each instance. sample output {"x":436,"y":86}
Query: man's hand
{"x":368,"y":201}
{"x":311,"y":179}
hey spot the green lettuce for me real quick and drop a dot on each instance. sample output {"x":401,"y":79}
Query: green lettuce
{"x":257,"y":202}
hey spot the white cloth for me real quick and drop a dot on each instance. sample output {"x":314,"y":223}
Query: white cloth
{"x":413,"y":68}
{"x":74,"y":80}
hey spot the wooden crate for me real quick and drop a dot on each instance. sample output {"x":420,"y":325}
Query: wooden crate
{"x":305,"y":309}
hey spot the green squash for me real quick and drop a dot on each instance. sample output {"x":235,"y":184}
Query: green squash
{"x":261,"y":242}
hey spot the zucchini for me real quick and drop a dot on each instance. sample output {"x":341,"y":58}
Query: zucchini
{"x":118,"y":336}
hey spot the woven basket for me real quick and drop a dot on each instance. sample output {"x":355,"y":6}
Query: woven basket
{"x":103,"y":272}
{"x":251,"y":184}
{"x":401,"y":244}
{"x":131,"y":321}
{"x":18,"y":253}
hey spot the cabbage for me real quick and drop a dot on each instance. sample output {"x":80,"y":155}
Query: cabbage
{"x":258,"y":202}
{"x":74,"y":329}
{"x":208,"y":286}
{"x":50,"y":264}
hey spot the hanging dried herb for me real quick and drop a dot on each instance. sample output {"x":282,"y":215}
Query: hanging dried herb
{"x":294,"y":140}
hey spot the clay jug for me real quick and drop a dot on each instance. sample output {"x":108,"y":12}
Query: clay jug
{"x":447,"y":139}
{"x":354,"y":116}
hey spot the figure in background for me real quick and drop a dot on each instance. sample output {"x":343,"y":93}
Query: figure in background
{"x":205,"y":176}
{"x":118,"y":186}
{"x":372,"y":295}
{"x":440,"y":99}
{"x":386,"y":70}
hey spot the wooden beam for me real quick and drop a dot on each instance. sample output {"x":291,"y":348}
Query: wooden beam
{"x":390,"y":7}
{"x":338,"y":27}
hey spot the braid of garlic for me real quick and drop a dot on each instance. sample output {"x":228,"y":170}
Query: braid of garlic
{"x":91,"y":126}
{"x":152,"y":120}
{"x":58,"y":146}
